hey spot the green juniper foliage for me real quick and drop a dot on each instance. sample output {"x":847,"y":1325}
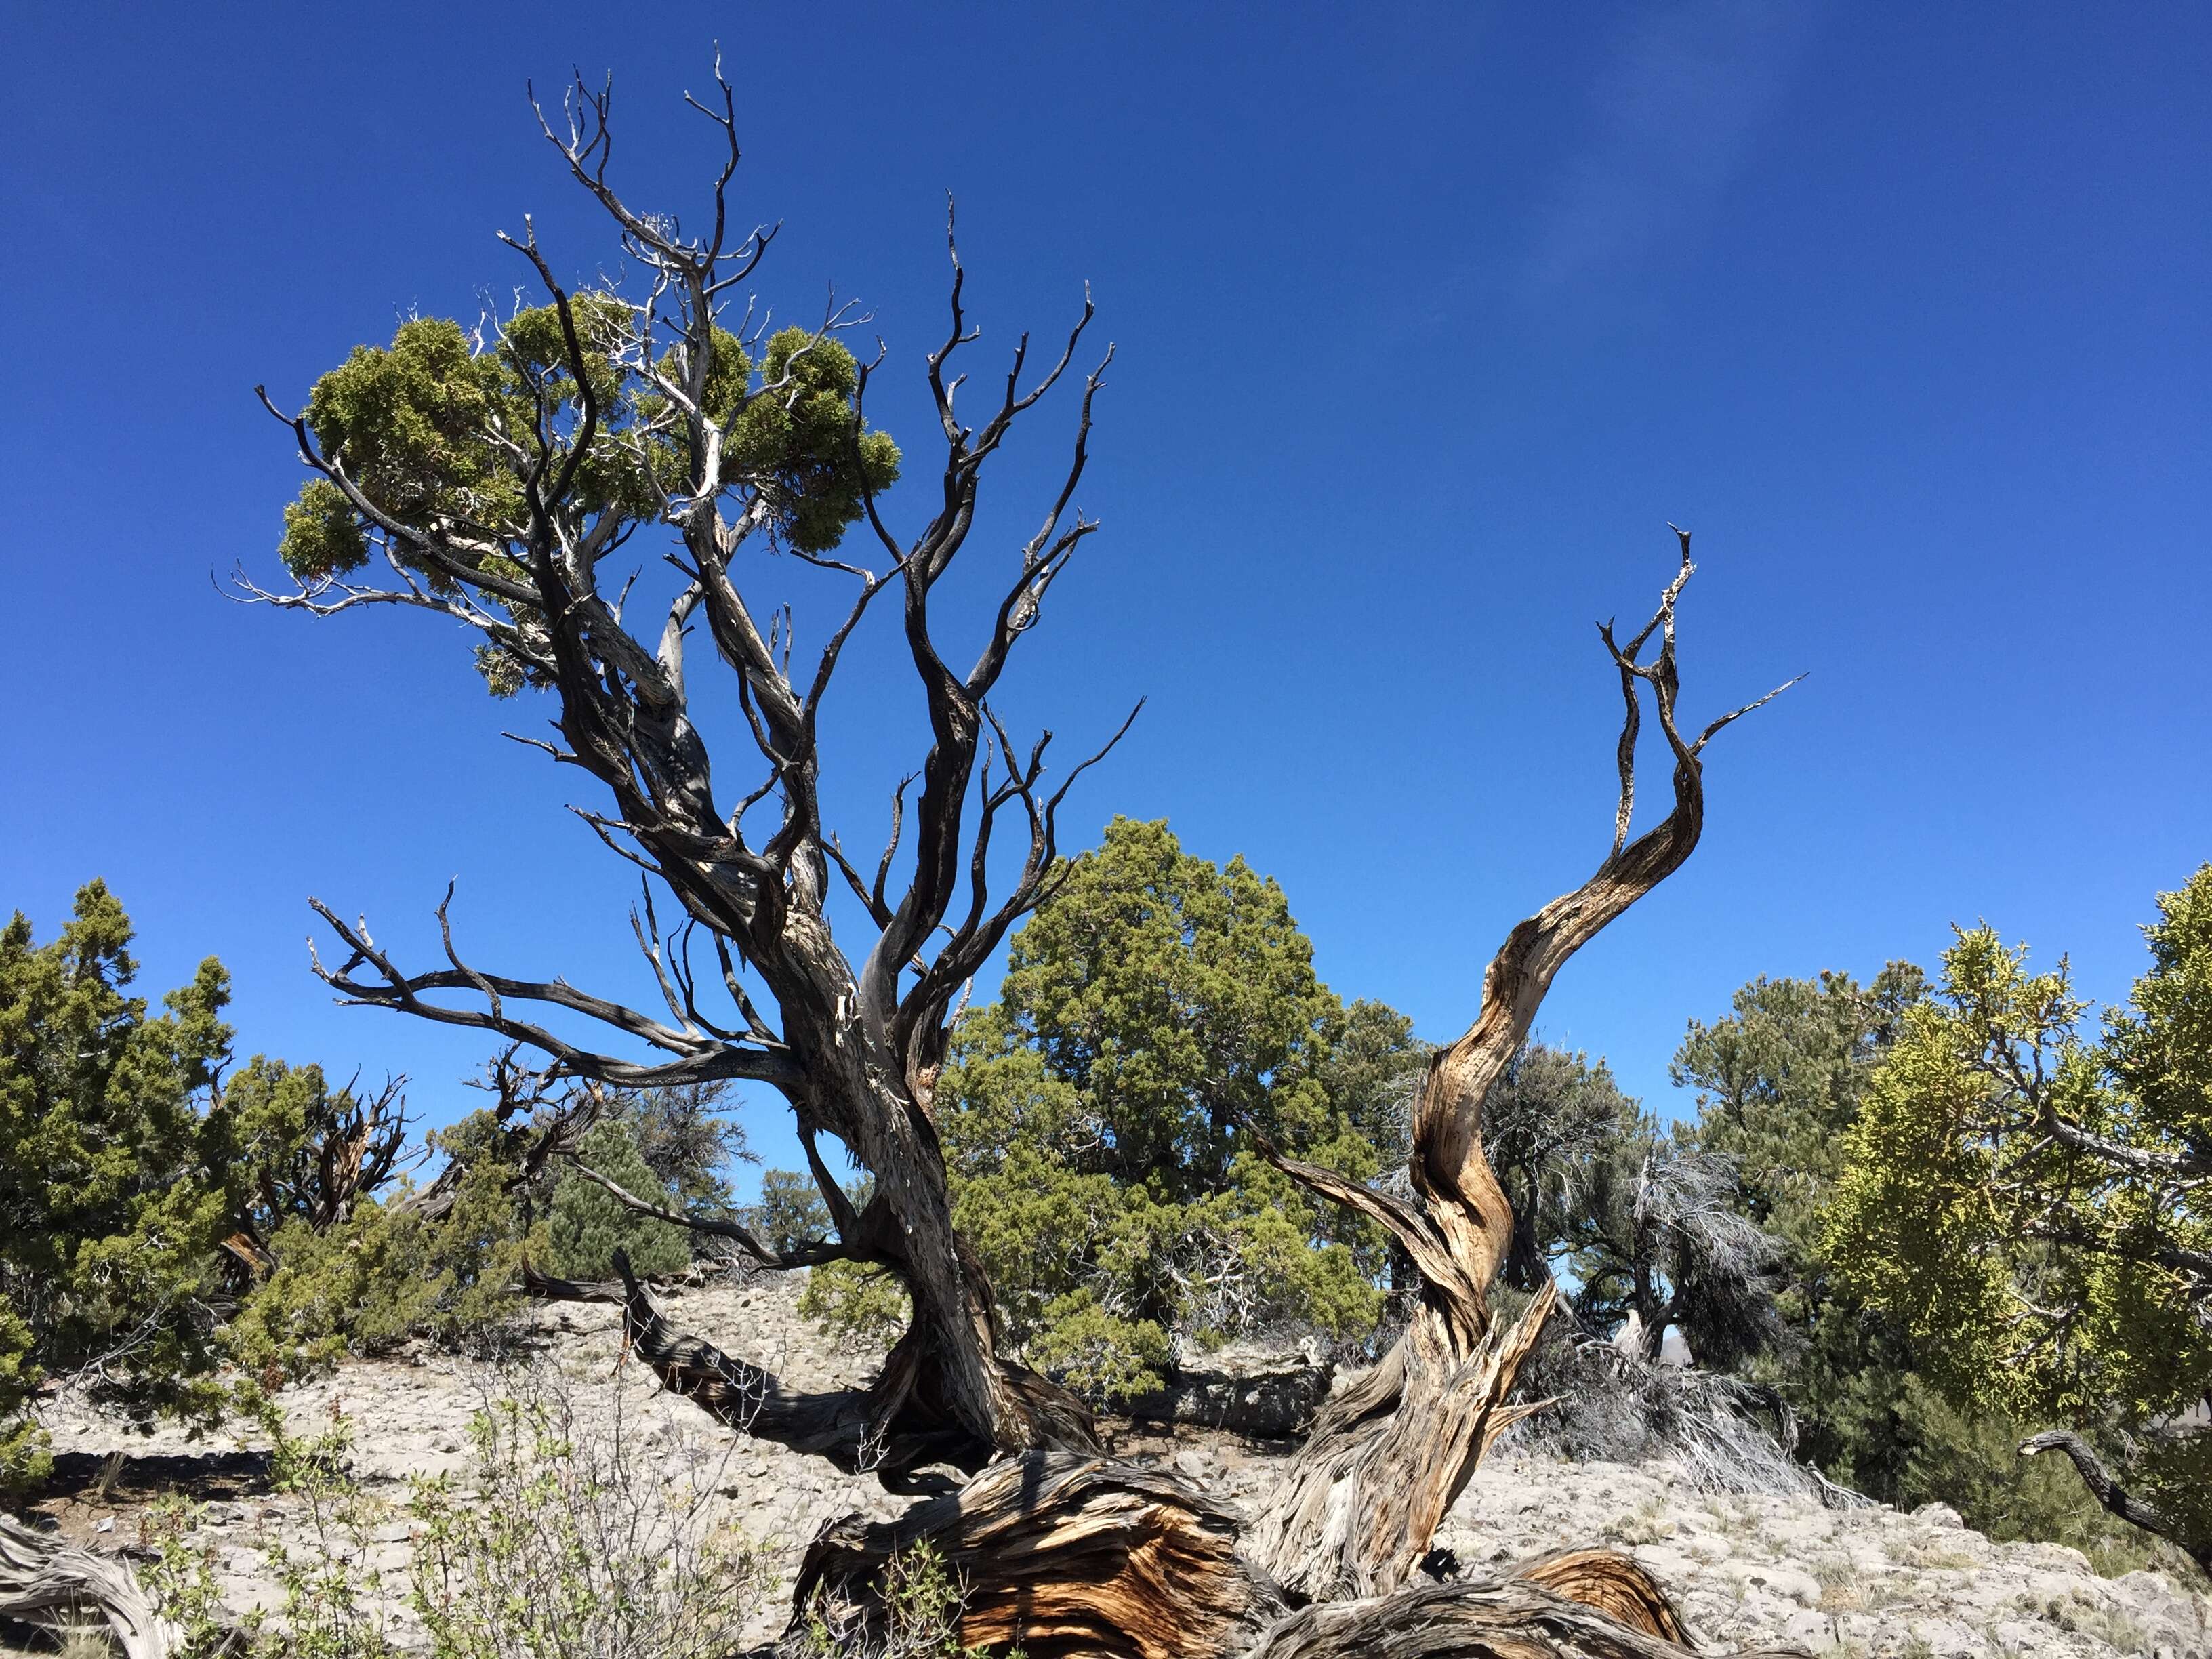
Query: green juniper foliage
{"x":588,"y":1223}
{"x":2027,"y":1197}
{"x":438,"y":428}
{"x":1782,"y":1079}
{"x":113,"y":1204}
{"x":790,"y":1211}
{"x":392,"y":1272}
{"x":157,"y":1220}
{"x":688,"y":1145}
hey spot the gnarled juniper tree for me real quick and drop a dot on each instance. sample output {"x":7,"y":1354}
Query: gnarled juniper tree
{"x":510,"y":479}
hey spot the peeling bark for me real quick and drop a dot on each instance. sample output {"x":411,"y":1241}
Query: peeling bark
{"x":1067,"y":1556}
{"x":1090,"y":1558}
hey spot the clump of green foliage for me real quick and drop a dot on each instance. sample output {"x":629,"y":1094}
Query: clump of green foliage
{"x":421,"y":429}
{"x":915,"y":1613}
{"x":1784,"y":1083}
{"x":393,"y":1271}
{"x":1097,"y":1123}
{"x":159,"y":1219}
{"x":2030,"y":1198}
{"x":398,"y":1270}
{"x":588,"y":1223}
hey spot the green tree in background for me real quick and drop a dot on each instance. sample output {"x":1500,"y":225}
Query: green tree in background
{"x":2032,"y":1200}
{"x":1548,"y":1127}
{"x":1095,"y":1128}
{"x":140,"y":1193}
{"x":1781,"y":1080}
{"x":588,"y":1223}
{"x":441,"y":1263}
{"x":689,"y":1146}
{"x":110,"y":1219}
{"x":790,"y":1211}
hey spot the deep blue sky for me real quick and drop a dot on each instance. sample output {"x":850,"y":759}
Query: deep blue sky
{"x":1430,"y":319}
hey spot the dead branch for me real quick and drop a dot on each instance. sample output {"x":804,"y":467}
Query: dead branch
{"x":1389,"y":1455}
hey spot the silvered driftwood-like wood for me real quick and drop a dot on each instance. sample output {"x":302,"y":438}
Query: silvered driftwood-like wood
{"x":1388,"y":1457}
{"x":48,"y":1583}
{"x":1516,"y":1618}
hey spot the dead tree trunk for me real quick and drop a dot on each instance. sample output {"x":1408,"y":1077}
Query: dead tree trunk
{"x":1389,"y":1457}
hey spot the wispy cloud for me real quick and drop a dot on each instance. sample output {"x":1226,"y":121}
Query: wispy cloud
{"x":1677,"y":104}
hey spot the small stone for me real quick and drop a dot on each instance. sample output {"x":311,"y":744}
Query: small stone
{"x":1938,"y":1515}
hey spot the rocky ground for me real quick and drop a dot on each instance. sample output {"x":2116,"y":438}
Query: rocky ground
{"x":1747,"y":1570}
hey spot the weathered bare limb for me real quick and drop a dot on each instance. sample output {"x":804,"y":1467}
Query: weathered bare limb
{"x":700,"y":1058}
{"x":812,"y":1254}
{"x":1389,"y":1455}
{"x":47,"y":1581}
{"x":2115,"y":1496}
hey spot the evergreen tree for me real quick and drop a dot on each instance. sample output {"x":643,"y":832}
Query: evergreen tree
{"x":139,"y":1194}
{"x":588,"y":1223}
{"x":2031,"y":1200}
{"x":111,"y":1219}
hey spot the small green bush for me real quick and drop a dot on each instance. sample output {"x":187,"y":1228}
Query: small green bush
{"x":866,"y":1308}
{"x":330,"y":1607}
{"x":915,"y":1614}
{"x":571,"y":1538}
{"x":391,"y":1271}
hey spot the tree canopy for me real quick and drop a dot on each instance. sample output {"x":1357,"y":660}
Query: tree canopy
{"x":2032,"y":1198}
